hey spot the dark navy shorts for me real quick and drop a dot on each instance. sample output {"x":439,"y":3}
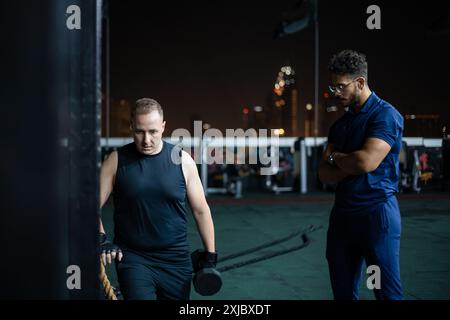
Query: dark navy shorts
{"x":140,"y":279}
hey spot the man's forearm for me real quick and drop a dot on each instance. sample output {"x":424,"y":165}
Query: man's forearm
{"x":206,"y":229}
{"x":330,"y":174}
{"x":354,"y":163}
{"x":102,"y":230}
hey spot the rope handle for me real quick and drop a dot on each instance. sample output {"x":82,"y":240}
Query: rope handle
{"x":107,"y":287}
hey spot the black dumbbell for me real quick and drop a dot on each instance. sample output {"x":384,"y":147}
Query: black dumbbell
{"x":207,"y":280}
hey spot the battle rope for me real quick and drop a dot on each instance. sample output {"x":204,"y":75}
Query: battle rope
{"x":309,"y":229}
{"x":107,"y":287}
{"x":305,"y":242}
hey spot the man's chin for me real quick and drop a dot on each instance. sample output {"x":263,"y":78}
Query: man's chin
{"x":147,"y":151}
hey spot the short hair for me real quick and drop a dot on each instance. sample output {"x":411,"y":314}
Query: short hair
{"x":145,"y":106}
{"x":349,"y":62}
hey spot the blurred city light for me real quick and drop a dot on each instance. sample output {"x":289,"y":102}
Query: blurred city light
{"x":279,"y":132}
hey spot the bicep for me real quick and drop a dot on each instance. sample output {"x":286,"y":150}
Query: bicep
{"x":386,"y":125}
{"x":195,"y":193}
{"x":194,"y":188}
{"x":376,"y":150}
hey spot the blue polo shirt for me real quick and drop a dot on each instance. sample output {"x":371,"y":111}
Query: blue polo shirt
{"x":377,"y":119}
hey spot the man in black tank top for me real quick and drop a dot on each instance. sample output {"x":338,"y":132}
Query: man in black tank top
{"x":150,"y":188}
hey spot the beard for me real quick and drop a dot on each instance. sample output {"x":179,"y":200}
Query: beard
{"x":351,"y":101}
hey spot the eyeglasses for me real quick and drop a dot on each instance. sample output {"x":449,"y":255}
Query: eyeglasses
{"x":340,"y":87}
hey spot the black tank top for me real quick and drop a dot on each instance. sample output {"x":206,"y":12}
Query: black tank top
{"x":150,"y":205}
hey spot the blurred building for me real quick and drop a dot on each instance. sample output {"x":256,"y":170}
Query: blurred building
{"x":415,"y":125}
{"x":423,"y":125}
{"x":255,"y":117}
{"x":282,"y":105}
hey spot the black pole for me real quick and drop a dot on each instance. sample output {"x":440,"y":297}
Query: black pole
{"x":50,"y":90}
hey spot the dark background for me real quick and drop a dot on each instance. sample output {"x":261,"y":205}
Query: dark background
{"x":208,"y":60}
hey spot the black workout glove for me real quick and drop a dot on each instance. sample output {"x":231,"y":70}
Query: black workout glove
{"x":203,"y":259}
{"x":209,"y":260}
{"x":106,"y":246}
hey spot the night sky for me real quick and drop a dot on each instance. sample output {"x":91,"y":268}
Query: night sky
{"x":211,"y":59}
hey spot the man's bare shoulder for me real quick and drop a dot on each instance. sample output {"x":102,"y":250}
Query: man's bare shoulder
{"x":113,"y":156}
{"x":186,"y":159}
{"x":111,"y":160}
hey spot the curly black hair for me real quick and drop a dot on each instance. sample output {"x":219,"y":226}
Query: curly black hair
{"x":349,"y":62}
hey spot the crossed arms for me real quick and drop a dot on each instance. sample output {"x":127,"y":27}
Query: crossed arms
{"x":359,"y":162}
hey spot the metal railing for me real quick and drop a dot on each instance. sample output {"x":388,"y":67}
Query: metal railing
{"x":305,"y":147}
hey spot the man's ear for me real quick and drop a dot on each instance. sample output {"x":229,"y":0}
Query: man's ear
{"x":163,"y":126}
{"x":361,"y":82}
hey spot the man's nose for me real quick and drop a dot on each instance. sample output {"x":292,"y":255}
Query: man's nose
{"x":147,"y":138}
{"x":337,"y":94}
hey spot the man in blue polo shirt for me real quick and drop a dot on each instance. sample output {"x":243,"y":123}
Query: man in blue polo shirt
{"x":362,"y":159}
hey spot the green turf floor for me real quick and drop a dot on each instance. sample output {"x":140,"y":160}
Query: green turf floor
{"x":260,"y":218}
